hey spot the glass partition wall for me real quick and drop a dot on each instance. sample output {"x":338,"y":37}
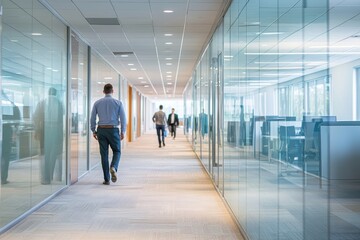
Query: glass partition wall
{"x":45,"y":104}
{"x":79,"y":108}
{"x":279,"y":84}
{"x":34,"y":93}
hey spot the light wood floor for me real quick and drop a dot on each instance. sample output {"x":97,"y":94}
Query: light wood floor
{"x":161,"y":193}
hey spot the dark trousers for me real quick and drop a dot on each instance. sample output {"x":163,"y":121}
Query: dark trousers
{"x":160,"y":128}
{"x":52,"y":150}
{"x":173,"y":130}
{"x":6,"y":152}
{"x":109,"y":137}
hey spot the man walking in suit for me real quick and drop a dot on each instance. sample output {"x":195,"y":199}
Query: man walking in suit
{"x":173,"y":122}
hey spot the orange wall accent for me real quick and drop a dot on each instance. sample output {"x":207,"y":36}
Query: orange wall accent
{"x":130,"y":117}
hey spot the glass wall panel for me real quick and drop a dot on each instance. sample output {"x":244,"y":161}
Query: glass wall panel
{"x":204,"y":110}
{"x":291,"y":166}
{"x":216,"y":85}
{"x":231,"y":156}
{"x":34,"y":84}
{"x":79,"y":107}
{"x":340,"y":151}
{"x":188,"y":111}
{"x":196,"y":112}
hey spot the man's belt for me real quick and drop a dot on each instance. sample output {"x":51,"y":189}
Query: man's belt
{"x":107,"y":126}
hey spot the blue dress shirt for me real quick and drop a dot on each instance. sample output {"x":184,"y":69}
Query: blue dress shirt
{"x":110,"y":111}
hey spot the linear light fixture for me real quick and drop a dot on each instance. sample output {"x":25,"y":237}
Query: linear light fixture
{"x":304,"y":53}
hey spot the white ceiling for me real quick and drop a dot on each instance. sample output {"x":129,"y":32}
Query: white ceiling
{"x":141,"y":30}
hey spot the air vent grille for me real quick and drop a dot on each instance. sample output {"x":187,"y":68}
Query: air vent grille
{"x":122,"y":53}
{"x":103,"y":21}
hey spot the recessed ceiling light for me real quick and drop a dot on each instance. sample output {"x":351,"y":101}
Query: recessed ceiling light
{"x":168,"y":58}
{"x":169,"y":64}
{"x":124,"y":55}
{"x":146,"y":86}
{"x":169,"y":83}
{"x":168,"y":34}
{"x":133,"y":69}
{"x":169,"y":72}
{"x":130,"y":64}
{"x":349,"y":46}
{"x":168,"y":43}
{"x":169,"y":76}
{"x":143,"y":82}
{"x":108,"y":78}
{"x":168,"y":11}
{"x":36,"y":34}
{"x":14,"y":40}
{"x":140,"y":77}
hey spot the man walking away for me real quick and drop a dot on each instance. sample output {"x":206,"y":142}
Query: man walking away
{"x":110,"y":112}
{"x":159,"y":119}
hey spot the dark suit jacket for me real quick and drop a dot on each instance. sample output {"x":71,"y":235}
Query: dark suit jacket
{"x":176,"y":119}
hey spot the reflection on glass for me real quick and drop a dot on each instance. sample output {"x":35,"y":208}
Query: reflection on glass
{"x":283,"y":63}
{"x":10,"y":128}
{"x":48,"y":124}
{"x":79,"y":108}
{"x":30,"y":66}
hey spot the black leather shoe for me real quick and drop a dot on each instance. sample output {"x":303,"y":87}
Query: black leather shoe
{"x":163,"y":144}
{"x":106,"y":182}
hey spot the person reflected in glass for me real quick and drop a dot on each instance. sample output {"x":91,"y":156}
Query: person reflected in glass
{"x":242,"y":127}
{"x":159,"y":119}
{"x":11,"y":119}
{"x":49,"y":131}
{"x":110,"y":113}
{"x":203,"y":123}
{"x":173,"y":122}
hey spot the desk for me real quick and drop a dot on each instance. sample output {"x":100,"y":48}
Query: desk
{"x":273,"y":143}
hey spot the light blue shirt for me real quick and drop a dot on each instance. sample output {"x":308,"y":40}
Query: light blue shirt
{"x":110,"y":111}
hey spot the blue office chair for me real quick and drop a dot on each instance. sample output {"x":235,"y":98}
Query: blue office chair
{"x":290,"y":149}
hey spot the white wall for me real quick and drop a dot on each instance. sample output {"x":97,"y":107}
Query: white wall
{"x":341,"y":104}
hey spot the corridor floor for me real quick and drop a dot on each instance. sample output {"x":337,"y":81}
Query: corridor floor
{"x":161,"y":193}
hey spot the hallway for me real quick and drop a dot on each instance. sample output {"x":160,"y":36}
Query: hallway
{"x":161,"y":193}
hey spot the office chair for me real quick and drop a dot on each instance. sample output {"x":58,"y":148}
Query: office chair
{"x":312,"y":145}
{"x":290,"y":149}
